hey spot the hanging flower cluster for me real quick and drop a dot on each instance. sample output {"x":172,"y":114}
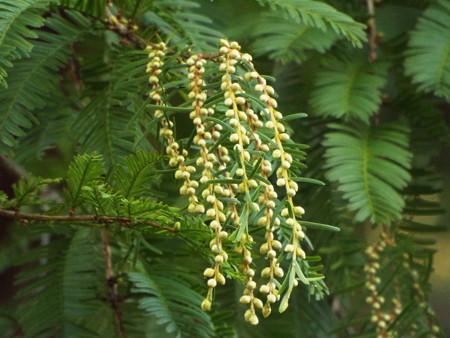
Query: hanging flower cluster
{"x":242,"y":175}
{"x":379,"y":317}
{"x":385,"y":310}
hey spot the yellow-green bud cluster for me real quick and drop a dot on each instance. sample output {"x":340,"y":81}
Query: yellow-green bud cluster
{"x":207,"y":161}
{"x":236,"y":111}
{"x":272,"y":119}
{"x":267,"y":201}
{"x":379,"y":318}
{"x":156,"y":55}
{"x":419,"y":294}
{"x":235,"y":195}
{"x":250,"y":285}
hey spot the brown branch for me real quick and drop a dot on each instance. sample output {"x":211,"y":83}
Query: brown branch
{"x":75,"y":71}
{"x":78,"y":218}
{"x":371,"y":23}
{"x":112,"y":283}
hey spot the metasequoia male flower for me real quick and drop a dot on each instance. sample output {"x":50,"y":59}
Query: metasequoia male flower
{"x":380,"y":317}
{"x":156,"y":55}
{"x":206,"y":161}
{"x":240,"y":174}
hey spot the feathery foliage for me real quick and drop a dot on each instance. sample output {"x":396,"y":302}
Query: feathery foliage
{"x":17,"y":19}
{"x":66,"y":292}
{"x":180,"y":20}
{"x":178,"y":156}
{"x":291,"y":41}
{"x":33,"y":83}
{"x":177,"y":307}
{"x":350,"y":90}
{"x":358,"y":158}
{"x":103,"y":125}
{"x":83,"y":171}
{"x":320,"y":15}
{"x":428,"y":54}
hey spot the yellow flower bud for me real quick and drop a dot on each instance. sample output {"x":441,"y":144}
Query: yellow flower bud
{"x":245,"y":299}
{"x":206,"y":304}
{"x":208,"y":272}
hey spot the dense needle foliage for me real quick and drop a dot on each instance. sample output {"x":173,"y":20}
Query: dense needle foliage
{"x":175,"y":182}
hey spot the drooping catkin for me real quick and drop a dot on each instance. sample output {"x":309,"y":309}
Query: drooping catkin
{"x":239,"y":163}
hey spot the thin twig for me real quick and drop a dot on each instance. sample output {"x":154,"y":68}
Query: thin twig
{"x":75,"y":71}
{"x":78,"y":218}
{"x":112,"y":283}
{"x":371,"y":23}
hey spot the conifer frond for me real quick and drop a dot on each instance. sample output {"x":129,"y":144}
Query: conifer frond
{"x":137,"y":176}
{"x":173,"y":303}
{"x":370,"y":166}
{"x":428,"y":55}
{"x":181,"y":21}
{"x":104,"y":124}
{"x":291,"y":41}
{"x":349,"y":90}
{"x":26,"y":192}
{"x":320,"y":15}
{"x":93,"y":8}
{"x":16,"y":20}
{"x":54,"y":126}
{"x":424,"y":117}
{"x":83,"y":171}
{"x":244,"y":203}
{"x":34,"y":83}
{"x":62,"y":286}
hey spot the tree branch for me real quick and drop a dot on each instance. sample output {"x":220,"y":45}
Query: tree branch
{"x":78,"y":218}
{"x":371,"y":23}
{"x":112,"y":283}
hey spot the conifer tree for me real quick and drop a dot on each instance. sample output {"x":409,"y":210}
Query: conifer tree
{"x":169,"y":182}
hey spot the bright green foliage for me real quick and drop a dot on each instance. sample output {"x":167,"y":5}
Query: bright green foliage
{"x":66,"y":291}
{"x":33,"y":83}
{"x":105,"y":125}
{"x":84,"y":171}
{"x":175,"y":305}
{"x":358,"y":159}
{"x":16,"y":20}
{"x":291,"y":41}
{"x":428,"y":54}
{"x":95,"y":8}
{"x":74,"y":103}
{"x":181,"y":21}
{"x":350,"y":90}
{"x":138,"y":169}
{"x":320,"y":15}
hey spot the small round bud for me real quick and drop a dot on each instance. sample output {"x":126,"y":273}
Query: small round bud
{"x":206,"y":304}
{"x":289,"y":248}
{"x":264,"y":289}
{"x":245,"y":299}
{"x":271,"y":298}
{"x":276,"y":153}
{"x":208,"y":272}
{"x":251,"y":285}
{"x":258,"y":303}
{"x":220,"y":278}
{"x":266,"y":311}
{"x":279,"y":272}
{"x":265,"y":273}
